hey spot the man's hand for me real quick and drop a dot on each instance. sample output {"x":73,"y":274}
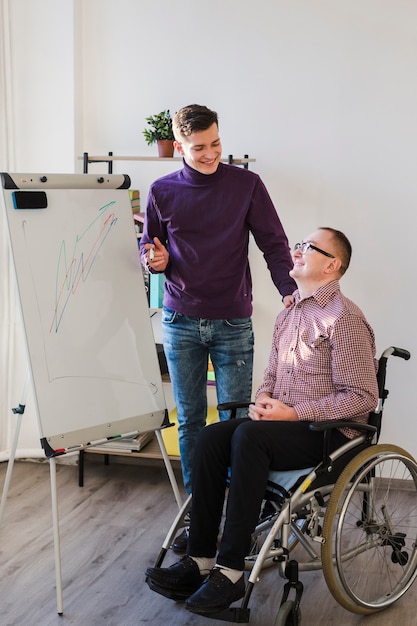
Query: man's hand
{"x":159,"y":257}
{"x":269,"y":409}
{"x":288,"y":301}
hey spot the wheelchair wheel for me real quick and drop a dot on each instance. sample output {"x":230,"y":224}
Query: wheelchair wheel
{"x":287,"y":616}
{"x":369,"y":556}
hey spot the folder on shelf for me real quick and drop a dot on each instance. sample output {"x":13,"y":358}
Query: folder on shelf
{"x":134,"y":195}
{"x":134,"y":443}
{"x":156,"y":290}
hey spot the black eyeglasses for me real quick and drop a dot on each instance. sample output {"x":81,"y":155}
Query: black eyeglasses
{"x":305,"y":245}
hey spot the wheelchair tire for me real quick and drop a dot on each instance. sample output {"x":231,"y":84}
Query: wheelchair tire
{"x":286,"y":615}
{"x":369,"y":556}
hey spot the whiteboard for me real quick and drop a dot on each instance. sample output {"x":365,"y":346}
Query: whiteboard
{"x":91,"y":351}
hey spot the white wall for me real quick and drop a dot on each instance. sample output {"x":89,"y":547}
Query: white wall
{"x":41,"y":40}
{"x":38,"y":92}
{"x":323,"y":94}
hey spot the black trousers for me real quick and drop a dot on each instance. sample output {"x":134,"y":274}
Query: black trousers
{"x":251,"y":449}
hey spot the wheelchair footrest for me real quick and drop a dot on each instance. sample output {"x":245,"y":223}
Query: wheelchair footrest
{"x":233,"y":614}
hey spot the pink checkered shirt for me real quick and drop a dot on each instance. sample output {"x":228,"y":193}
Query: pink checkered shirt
{"x":322,"y":361}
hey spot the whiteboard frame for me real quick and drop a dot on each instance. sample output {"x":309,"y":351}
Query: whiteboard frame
{"x":58,"y":436}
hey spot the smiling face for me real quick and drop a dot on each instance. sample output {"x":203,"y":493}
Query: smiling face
{"x":313,"y":268}
{"x":201,"y":150}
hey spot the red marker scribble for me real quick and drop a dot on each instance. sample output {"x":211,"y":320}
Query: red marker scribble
{"x":71,"y":272}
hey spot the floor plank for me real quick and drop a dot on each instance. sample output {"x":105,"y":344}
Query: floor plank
{"x":111,"y":530}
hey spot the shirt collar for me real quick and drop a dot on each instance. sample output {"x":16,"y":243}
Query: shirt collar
{"x":322,"y":295}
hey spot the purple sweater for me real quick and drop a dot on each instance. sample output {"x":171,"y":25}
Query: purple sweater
{"x":204,"y":221}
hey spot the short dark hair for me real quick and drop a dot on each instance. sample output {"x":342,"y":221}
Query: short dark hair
{"x":343,"y":245}
{"x":191,"y":119}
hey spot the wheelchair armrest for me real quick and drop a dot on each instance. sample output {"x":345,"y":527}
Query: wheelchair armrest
{"x":325,"y":426}
{"x":232,"y":407}
{"x":332,"y":424}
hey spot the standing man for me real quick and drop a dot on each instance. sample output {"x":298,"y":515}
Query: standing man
{"x":196,"y":231}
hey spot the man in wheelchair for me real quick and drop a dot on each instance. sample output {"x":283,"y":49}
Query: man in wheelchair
{"x":322,"y":366}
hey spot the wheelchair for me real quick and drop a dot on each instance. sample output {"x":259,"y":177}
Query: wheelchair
{"x":354,"y":516}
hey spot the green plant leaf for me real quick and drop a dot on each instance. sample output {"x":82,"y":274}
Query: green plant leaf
{"x":160,"y":127}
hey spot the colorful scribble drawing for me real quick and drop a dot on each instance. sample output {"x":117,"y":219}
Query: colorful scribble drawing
{"x":71,"y":271}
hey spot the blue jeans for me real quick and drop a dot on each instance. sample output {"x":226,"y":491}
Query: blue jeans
{"x":188,"y":342}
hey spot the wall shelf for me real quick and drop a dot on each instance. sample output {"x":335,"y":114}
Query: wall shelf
{"x":110,"y":158}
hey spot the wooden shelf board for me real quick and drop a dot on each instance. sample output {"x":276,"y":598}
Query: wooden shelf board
{"x":106,"y":159}
{"x":150,"y":451}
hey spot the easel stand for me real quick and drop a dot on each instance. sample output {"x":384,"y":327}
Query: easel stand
{"x":80,"y":277}
{"x":19,"y":411}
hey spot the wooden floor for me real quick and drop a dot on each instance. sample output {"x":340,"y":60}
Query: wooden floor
{"x":111,"y":530}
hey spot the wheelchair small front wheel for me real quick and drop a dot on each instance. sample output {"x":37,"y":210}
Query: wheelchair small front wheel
{"x":369,"y":556}
{"x":287,"y":615}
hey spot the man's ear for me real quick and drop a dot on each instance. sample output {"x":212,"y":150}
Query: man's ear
{"x":333,"y":266}
{"x":178,"y":147}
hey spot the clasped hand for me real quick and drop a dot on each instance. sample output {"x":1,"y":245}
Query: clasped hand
{"x":266,"y":408}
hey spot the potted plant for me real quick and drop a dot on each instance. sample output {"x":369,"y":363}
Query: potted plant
{"x":160,"y":132}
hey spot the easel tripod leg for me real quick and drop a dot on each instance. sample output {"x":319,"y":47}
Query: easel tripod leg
{"x":169,"y":469}
{"x":10,"y":467}
{"x":19,"y":412}
{"x":57,"y":544}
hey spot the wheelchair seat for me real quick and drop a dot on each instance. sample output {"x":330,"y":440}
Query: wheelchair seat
{"x":282,"y":482}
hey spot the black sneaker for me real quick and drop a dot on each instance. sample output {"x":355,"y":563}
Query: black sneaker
{"x":178,"y":582}
{"x":216,"y":594}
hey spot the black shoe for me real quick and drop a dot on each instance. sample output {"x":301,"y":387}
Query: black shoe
{"x":180,"y":543}
{"x":216,"y":594}
{"x":178,"y":582}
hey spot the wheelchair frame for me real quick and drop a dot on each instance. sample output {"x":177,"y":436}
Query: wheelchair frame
{"x":342,"y":513}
